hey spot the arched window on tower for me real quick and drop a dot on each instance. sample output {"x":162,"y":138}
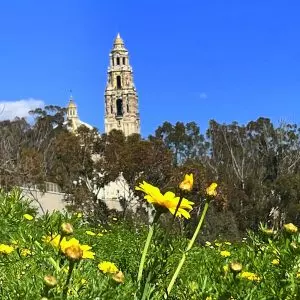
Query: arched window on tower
{"x":124,"y":61}
{"x":119,"y":86}
{"x":119,"y":108}
{"x":127,"y":107}
{"x":111,"y":109}
{"x":118,"y":61}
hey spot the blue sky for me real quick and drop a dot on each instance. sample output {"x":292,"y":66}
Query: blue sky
{"x":192,"y":60}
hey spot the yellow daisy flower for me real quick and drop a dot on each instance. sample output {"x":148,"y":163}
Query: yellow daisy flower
{"x":291,"y":228}
{"x":53,"y":240}
{"x":25,"y":252}
{"x":167,"y":201}
{"x":108,"y":267}
{"x":225,"y":253}
{"x":250,"y":276}
{"x":74,"y":243}
{"x":6,"y":249}
{"x":187,"y":183}
{"x":211,"y":190}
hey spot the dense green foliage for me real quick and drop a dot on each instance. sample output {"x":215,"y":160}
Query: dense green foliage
{"x":272,"y":256}
{"x":257,"y":167}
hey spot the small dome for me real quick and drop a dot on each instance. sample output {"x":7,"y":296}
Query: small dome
{"x":72,"y":104}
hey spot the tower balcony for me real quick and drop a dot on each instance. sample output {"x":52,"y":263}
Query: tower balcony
{"x":119,"y":116}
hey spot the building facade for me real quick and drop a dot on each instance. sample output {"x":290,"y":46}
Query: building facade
{"x":121,"y":99}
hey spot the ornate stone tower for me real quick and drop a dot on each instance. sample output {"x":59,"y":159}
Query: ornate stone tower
{"x":121,"y":100}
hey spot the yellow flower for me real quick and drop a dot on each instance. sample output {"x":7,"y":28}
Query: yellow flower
{"x":73,"y":253}
{"x":83,"y":281}
{"x":6,"y":249}
{"x":227,"y":243}
{"x":79,"y":215}
{"x":218,"y":244}
{"x":267,"y":231}
{"x":291,"y":228}
{"x":86,"y":253}
{"x":25,"y":252}
{"x":88,"y":232}
{"x":100,"y":234}
{"x":250,"y":276}
{"x":298,"y":275}
{"x":225,"y":253}
{"x":275,"y":262}
{"x":211,"y":190}
{"x":28,"y":217}
{"x":53,"y":240}
{"x":108,"y":267}
{"x":168,"y":200}
{"x":207,"y":243}
{"x":187,"y":183}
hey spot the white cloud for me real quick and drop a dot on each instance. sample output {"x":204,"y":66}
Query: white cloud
{"x":203,"y":95}
{"x":19,"y":108}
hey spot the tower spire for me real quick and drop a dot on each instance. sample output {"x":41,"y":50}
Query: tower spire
{"x":121,"y":101}
{"x":119,"y":44}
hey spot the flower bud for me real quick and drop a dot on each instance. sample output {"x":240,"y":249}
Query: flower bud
{"x":118,"y":277}
{"x":50,"y":281}
{"x":290,"y":228}
{"x":235,"y":267}
{"x":66,"y":229}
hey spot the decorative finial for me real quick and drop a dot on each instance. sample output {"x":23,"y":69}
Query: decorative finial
{"x":118,"y":36}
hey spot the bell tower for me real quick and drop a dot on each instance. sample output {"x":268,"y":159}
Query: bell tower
{"x":121,"y":100}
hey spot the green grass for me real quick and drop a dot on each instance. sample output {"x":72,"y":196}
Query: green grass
{"x":205,"y":274}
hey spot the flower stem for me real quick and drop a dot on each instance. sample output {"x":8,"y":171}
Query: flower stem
{"x":188,"y":248}
{"x":66,"y":286}
{"x":146,"y":247}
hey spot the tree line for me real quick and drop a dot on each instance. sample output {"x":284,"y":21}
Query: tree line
{"x":256,"y":166}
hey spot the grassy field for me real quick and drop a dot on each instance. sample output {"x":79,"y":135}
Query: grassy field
{"x":40,"y":259}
